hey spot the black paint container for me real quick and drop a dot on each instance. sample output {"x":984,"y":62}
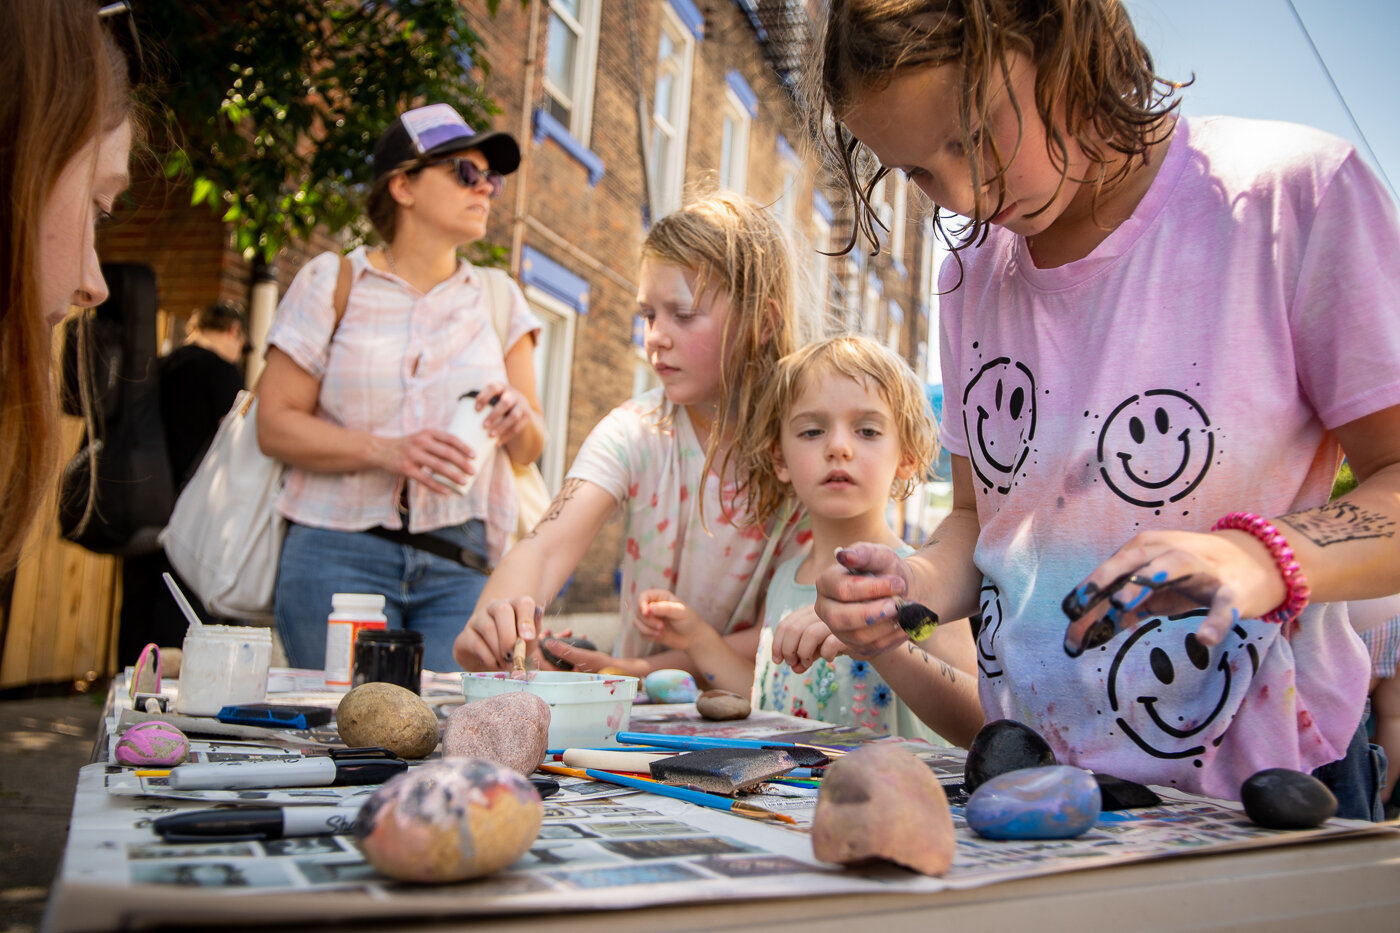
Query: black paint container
{"x":391,"y":657}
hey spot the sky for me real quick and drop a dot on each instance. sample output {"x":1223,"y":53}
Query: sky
{"x":1252,"y":59}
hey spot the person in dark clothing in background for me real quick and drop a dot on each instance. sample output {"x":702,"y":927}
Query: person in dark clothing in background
{"x":198,"y":384}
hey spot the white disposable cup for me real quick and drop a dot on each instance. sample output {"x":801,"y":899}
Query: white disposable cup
{"x":469,"y":425}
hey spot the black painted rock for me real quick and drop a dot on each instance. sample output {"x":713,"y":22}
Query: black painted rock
{"x":1280,"y":798}
{"x":558,"y":662}
{"x":1122,"y":794}
{"x":1004,"y":745}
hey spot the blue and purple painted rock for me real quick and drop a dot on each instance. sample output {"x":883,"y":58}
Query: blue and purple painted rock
{"x":1057,"y":802}
{"x":671,"y":686}
{"x":152,"y":744}
{"x":449,"y":820}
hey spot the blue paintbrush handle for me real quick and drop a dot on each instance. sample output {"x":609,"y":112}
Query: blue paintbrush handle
{"x":714,"y":801}
{"x":694,"y":742}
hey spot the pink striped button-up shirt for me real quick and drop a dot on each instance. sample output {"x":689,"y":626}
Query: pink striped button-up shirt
{"x":396,"y":364}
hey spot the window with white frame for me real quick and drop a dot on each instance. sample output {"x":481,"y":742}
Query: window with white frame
{"x":926,"y":270}
{"x":571,"y":63}
{"x":785,"y":208}
{"x":734,"y":144}
{"x":898,"y":218}
{"x":674,"y":59}
{"x":554,"y":355}
{"x":881,"y":206}
{"x":821,"y":264}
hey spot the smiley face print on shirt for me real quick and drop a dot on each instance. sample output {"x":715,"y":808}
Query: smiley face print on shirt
{"x":999,"y":418}
{"x":1156,"y":447}
{"x":1171,"y":695}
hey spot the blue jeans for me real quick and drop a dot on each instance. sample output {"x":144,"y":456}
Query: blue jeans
{"x":1357,"y":779}
{"x":422,"y":592}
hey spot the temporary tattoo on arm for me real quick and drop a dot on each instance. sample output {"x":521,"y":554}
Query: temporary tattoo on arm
{"x":1339,"y":522}
{"x":947,"y":670}
{"x":566,"y":492}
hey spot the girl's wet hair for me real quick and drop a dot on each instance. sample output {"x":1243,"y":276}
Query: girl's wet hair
{"x":737,"y":248}
{"x":1090,"y":67}
{"x":66,"y":82}
{"x":861,"y":359}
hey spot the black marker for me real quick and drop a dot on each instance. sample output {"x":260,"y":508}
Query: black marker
{"x":240,"y":824}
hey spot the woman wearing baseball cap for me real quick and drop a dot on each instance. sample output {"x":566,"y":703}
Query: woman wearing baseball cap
{"x":380,"y":497}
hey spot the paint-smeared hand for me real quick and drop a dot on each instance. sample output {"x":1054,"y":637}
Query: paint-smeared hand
{"x":1159,"y":573}
{"x":859,"y":598}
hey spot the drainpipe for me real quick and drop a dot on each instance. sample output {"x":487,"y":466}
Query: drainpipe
{"x":517,"y":234}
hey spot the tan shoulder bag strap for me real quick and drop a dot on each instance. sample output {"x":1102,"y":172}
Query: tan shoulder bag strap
{"x":500,"y":311}
{"x":343,"y":282}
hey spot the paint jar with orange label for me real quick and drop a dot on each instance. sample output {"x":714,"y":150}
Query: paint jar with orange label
{"x":351,"y":613}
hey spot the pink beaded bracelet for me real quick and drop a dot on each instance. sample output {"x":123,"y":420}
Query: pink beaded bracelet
{"x":1298,"y":592}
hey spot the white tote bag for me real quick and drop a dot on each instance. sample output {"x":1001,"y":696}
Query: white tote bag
{"x":225,"y":535}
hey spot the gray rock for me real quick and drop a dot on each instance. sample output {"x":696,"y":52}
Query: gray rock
{"x":721,"y":705}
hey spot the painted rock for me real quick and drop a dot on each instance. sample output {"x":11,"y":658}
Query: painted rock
{"x":449,"y":821}
{"x":1056,"y":802}
{"x":1280,"y":798}
{"x":1004,"y":745}
{"x":671,"y":686}
{"x":511,"y":729}
{"x":879,"y":801}
{"x":721,"y":705}
{"x":559,"y":662}
{"x":389,"y":716}
{"x":152,"y":744}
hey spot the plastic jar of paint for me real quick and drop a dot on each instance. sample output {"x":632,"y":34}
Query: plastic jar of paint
{"x":351,"y":613}
{"x":223,"y":665}
{"x":391,"y":657}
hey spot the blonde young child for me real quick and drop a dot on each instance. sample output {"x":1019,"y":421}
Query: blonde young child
{"x":718,"y":293}
{"x":842,"y":427}
{"x":1159,"y":334}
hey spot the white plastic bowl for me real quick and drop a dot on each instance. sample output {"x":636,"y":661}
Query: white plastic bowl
{"x":585,"y":709}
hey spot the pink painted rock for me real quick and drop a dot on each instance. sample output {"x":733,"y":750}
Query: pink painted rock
{"x":881,"y":802}
{"x":449,"y":821}
{"x":511,"y":729}
{"x":152,"y":744}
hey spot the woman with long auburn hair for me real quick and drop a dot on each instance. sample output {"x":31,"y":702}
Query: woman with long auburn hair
{"x":65,"y":136}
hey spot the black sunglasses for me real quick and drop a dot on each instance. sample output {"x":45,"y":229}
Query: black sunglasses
{"x":469,"y":176}
{"x":125,"y":36}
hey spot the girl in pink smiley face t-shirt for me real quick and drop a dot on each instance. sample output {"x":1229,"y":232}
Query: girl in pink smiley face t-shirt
{"x":1202,"y":333}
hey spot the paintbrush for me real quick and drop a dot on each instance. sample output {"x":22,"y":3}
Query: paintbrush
{"x":518,"y":655}
{"x":692,"y":743}
{"x":698,"y":797}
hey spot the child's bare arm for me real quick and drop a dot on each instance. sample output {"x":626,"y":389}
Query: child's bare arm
{"x":938,"y":681}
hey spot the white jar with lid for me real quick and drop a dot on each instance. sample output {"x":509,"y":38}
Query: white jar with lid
{"x":350,"y":612}
{"x":223,"y":665}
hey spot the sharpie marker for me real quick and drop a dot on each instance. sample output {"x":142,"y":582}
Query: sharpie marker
{"x":294,"y":772}
{"x":243,"y":824}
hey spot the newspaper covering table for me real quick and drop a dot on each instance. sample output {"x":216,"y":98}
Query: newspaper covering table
{"x":600,"y":847}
